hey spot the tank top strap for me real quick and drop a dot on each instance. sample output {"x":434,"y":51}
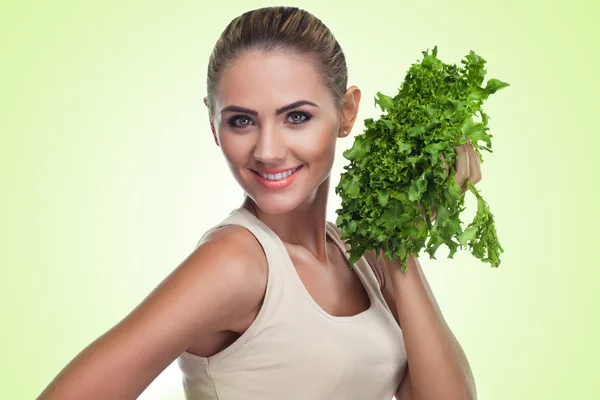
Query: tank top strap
{"x":239,"y":216}
{"x":361,"y":265}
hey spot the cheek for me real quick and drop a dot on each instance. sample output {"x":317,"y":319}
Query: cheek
{"x":233,"y":149}
{"x":316,"y":143}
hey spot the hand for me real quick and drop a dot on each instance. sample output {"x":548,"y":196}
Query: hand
{"x":467,"y":166}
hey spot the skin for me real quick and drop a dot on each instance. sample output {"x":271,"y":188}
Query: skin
{"x":215,"y":293}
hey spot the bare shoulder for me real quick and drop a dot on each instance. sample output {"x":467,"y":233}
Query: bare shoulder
{"x":236,"y":250}
{"x":222,"y":281}
{"x":229,"y":263}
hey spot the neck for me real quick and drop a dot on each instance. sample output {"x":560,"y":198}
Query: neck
{"x":303,"y":226}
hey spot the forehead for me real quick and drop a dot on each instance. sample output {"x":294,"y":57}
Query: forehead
{"x":269,"y":80}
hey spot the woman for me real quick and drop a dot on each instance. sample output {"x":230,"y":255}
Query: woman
{"x":267,"y":306}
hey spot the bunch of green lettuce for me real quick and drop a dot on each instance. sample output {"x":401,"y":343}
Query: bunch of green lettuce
{"x":395,"y":169}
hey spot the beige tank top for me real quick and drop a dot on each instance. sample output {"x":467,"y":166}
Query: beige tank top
{"x":296,"y":350}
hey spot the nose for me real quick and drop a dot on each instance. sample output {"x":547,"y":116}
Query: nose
{"x":270,"y":146}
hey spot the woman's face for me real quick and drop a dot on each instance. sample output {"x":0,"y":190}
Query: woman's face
{"x":273,"y":115}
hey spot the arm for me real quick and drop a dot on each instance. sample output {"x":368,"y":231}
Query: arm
{"x":438,"y":365}
{"x":423,"y":328}
{"x":215,"y":286}
{"x":447,"y":365}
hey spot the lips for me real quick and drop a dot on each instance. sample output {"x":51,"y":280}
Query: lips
{"x":276,"y":174}
{"x":278,"y":183}
{"x":276,"y":170}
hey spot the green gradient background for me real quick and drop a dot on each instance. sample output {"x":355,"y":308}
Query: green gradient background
{"x":109,"y":175}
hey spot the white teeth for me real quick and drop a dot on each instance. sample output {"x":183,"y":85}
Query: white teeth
{"x":278,"y":176}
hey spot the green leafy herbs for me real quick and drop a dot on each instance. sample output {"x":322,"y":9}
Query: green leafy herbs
{"x":395,"y":166}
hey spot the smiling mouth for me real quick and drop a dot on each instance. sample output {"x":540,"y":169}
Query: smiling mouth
{"x":279,"y":180}
{"x":278,"y":176}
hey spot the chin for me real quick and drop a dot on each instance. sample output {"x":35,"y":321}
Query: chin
{"x":276,"y":203}
{"x":279,"y":201}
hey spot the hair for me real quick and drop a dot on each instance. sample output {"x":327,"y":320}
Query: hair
{"x":279,"y":29}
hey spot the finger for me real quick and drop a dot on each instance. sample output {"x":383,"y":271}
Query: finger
{"x":461,"y":166}
{"x":444,"y":164}
{"x":433,"y":211}
{"x":474,"y":164}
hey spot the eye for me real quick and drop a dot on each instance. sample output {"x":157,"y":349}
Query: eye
{"x":299,"y":117}
{"x":239,"y":121}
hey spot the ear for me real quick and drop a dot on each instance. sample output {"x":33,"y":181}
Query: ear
{"x":212,"y":123}
{"x":350,"y":105}
{"x":212,"y":128}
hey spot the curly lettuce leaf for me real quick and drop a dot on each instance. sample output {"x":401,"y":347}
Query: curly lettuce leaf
{"x":395,"y":169}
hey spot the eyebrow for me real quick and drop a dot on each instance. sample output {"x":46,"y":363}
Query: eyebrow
{"x":277,"y":112}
